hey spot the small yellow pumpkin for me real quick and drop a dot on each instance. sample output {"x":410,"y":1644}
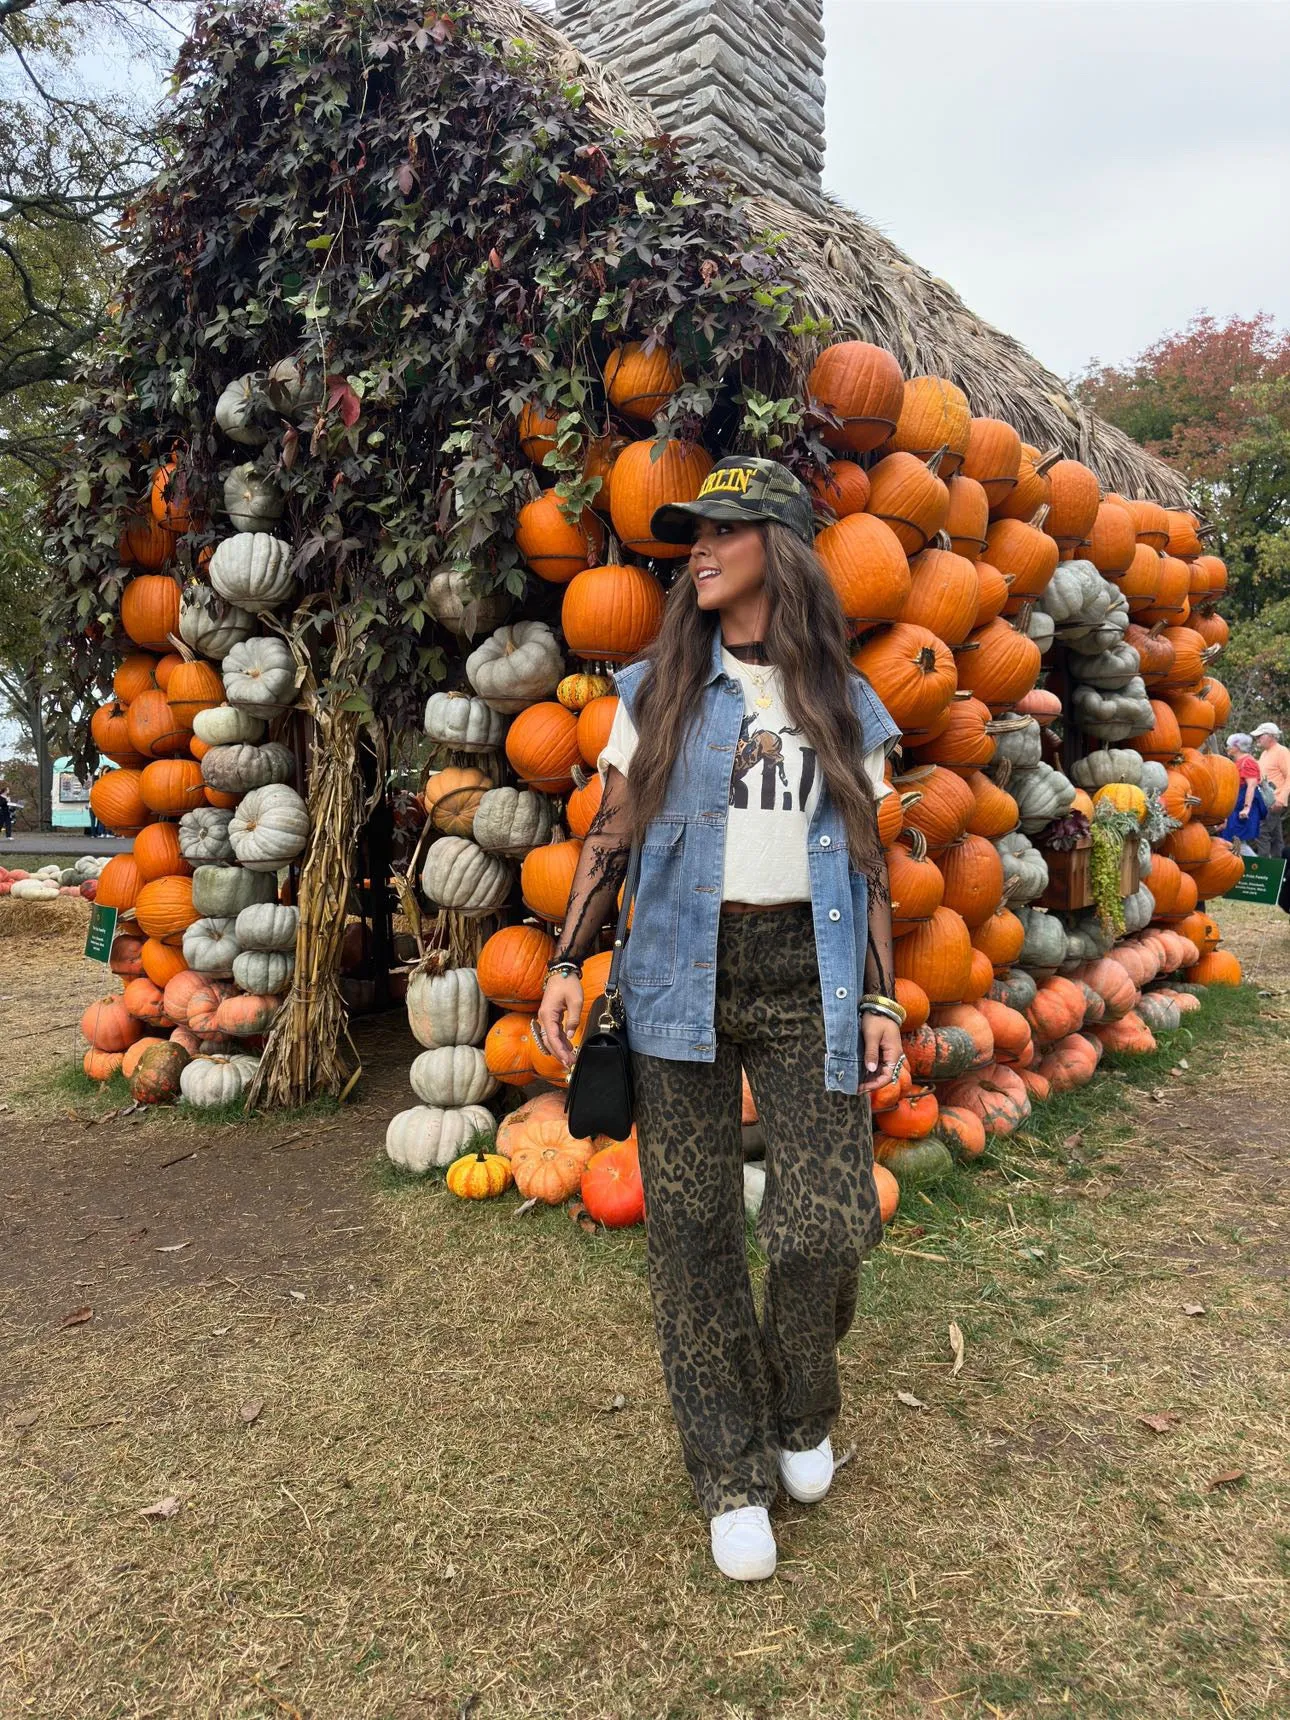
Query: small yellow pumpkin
{"x":577,"y":691}
{"x":479,"y":1176}
{"x":1123,"y":797}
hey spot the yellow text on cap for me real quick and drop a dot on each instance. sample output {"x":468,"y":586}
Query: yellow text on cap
{"x":732,"y":478}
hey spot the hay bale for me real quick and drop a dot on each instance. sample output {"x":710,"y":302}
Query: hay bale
{"x":54,"y":919}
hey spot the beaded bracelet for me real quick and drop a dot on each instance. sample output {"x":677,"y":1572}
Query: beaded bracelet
{"x":566,"y":969}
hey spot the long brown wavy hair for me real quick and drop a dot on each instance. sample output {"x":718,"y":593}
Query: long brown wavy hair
{"x":806,"y":640}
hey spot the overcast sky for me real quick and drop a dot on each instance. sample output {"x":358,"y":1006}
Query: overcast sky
{"x":1085,"y":174}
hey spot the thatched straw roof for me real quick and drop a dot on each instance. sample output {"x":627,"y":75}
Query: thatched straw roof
{"x":868,"y":288}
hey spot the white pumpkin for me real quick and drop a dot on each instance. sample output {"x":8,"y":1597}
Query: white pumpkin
{"x":264,"y":970}
{"x":447,"y":1008}
{"x":1041,"y":794}
{"x":291,"y":384}
{"x":211,"y":946}
{"x":1074,"y":591}
{"x":1161,"y":1014}
{"x":1113,"y":716}
{"x":1108,"y":764}
{"x":34,"y":890}
{"x":252,"y":570}
{"x":212,"y":627}
{"x":427,"y":1137}
{"x":245,"y":1064}
{"x":253,"y":502}
{"x":1087,"y":940}
{"x":1153,"y":777}
{"x":1044,"y":950}
{"x":513,"y":820}
{"x":459,"y":874}
{"x":452,"y":1075}
{"x":90,"y":865}
{"x":1019,"y":741}
{"x":754,"y":1189}
{"x":209,"y":1081}
{"x":269,"y":827}
{"x":455,"y":606}
{"x":224,"y":725}
{"x":235,"y":411}
{"x":516,"y":666}
{"x":260,"y":675}
{"x":238,"y":768}
{"x":1103,"y":627}
{"x":1040,"y":628}
{"x":1138,"y":909}
{"x":463,"y":722}
{"x":203,"y":834}
{"x":223,"y":891}
{"x":267,"y":926}
{"x":1025,"y":865}
{"x":1109,"y":669}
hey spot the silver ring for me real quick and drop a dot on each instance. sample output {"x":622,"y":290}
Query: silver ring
{"x":537,"y":1033}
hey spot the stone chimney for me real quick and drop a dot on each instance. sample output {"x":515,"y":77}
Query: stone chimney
{"x":742,"y":78}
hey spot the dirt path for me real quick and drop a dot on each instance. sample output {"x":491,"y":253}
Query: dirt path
{"x":422,"y":1464}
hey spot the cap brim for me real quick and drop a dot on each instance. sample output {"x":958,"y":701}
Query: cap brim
{"x":675,"y":522}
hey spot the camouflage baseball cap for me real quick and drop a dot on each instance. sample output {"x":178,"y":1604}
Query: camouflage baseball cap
{"x":741,"y":488}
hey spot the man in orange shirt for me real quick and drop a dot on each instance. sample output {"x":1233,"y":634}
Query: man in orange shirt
{"x":1274,"y":768}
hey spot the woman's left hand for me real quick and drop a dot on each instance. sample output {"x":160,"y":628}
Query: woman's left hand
{"x":881,"y":1048}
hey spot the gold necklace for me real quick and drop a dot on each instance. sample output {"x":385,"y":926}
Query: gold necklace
{"x":761,"y":682}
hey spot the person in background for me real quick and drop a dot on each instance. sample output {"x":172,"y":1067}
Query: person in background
{"x":1246,"y":818}
{"x":6,"y":811}
{"x":1274,"y":767}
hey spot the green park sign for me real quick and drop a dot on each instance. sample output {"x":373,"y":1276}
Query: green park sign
{"x":98,"y":940}
{"x":1262,"y":882}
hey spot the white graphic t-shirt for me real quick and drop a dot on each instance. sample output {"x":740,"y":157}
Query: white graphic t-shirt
{"x":774,"y":790}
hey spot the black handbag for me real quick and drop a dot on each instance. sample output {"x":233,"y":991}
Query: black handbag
{"x":601,"y":1100}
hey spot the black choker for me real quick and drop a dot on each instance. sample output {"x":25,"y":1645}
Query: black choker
{"x":754,"y":653}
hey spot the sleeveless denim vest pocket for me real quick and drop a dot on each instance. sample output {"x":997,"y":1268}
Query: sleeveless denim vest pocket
{"x":650,"y":956}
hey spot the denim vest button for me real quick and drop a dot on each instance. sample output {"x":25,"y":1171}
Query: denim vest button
{"x":826,"y":842}
{"x":834,"y":914}
{"x":841,"y":991}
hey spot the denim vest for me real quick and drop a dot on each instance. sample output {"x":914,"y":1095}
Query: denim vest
{"x":669,"y":977}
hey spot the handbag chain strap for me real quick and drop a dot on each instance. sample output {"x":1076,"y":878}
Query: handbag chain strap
{"x":612,"y":1014}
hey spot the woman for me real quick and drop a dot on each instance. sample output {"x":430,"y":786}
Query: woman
{"x":1246,"y":818}
{"x":745,"y":759}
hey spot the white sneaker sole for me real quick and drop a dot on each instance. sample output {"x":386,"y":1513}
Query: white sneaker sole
{"x":803,"y":1495}
{"x":747,"y":1570}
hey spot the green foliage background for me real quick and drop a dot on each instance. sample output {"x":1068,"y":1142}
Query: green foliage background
{"x":439,"y":231}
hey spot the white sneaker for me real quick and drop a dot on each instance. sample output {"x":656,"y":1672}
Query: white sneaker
{"x":743,"y":1545}
{"x":807,"y":1475}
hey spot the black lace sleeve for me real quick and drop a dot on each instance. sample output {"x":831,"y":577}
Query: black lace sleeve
{"x":602,"y":867}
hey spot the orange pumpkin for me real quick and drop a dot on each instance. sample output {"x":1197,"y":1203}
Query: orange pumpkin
{"x":156,"y":854}
{"x":119,"y":884}
{"x":998,"y":665}
{"x":1112,"y":541}
{"x":842,"y":488}
{"x":1000,"y":938}
{"x":146,"y":1002}
{"x":127,"y":947}
{"x":640,"y":382}
{"x":553,"y":546}
{"x":116,"y":801}
{"x":172,"y":786}
{"x":546,"y":878}
{"x":452,"y":796}
{"x":1223,"y":868}
{"x":1218,"y":967}
{"x":130,"y":1058}
{"x":961,"y":741}
{"x":584,"y":803}
{"x":643,"y":484}
{"x":101,"y":1065}
{"x":968,"y":520}
{"x":193,"y":687}
{"x":511,"y":969}
{"x":109,"y":730}
{"x":542,"y":746}
{"x":973,"y":874}
{"x":991,"y":593}
{"x":912,"y":1116}
{"x":915,"y":883}
{"x":943,"y":808}
{"x":598,"y":462}
{"x":1150,"y":522}
{"x":1024,"y":555}
{"x":1140,"y":581}
{"x":537,"y":429}
{"x":169,"y":499}
{"x":993,"y":457}
{"x":509,"y":1048}
{"x":154,"y":728}
{"x":548,"y":1160}
{"x":1074,"y":496}
{"x":1170,"y":601}
{"x":1163,"y":740}
{"x":915,"y":1003}
{"x":1195,"y":716}
{"x":594,"y":723}
{"x":867,"y":568}
{"x":164,"y":909}
{"x":906,"y":493}
{"x":161,"y":962}
{"x":980,"y":978}
{"x":944,"y":595}
{"x":610,"y":614}
{"x":166,"y":667}
{"x":1030,"y":492}
{"x":107,"y":1025}
{"x":934,"y":414}
{"x":150,"y":609}
{"x":962,"y":1131}
{"x":912,"y":673}
{"x":862,"y":387}
{"x":937,"y":956}
{"x":888,"y":1191}
{"x":144,"y":543}
{"x":1184,"y":540}
{"x":994,"y":811}
{"x":135,"y":674}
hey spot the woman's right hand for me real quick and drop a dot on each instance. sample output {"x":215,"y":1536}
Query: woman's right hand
{"x":561,"y":1003}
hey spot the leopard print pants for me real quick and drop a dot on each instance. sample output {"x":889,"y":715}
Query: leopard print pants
{"x":742,"y":1391}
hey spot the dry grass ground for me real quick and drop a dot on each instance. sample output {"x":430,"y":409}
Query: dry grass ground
{"x":460,"y":1492}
